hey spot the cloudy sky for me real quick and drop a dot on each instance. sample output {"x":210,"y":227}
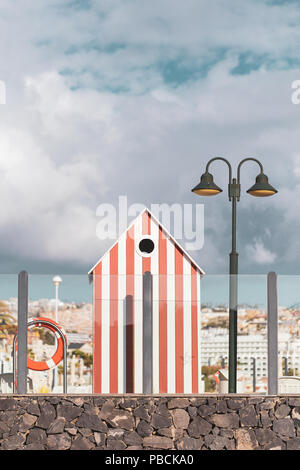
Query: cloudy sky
{"x":130,"y":97}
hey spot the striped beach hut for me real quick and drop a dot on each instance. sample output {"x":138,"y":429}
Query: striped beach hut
{"x":118,"y":283}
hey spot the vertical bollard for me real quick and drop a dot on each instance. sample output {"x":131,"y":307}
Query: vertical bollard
{"x":254,"y":374}
{"x":22,"y":332}
{"x":129,"y":380}
{"x":147,"y":332}
{"x":272,"y":334}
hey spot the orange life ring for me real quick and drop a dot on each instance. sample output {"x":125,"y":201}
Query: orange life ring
{"x":59,"y":353}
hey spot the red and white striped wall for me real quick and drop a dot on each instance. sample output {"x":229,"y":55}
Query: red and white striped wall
{"x":118,"y":351}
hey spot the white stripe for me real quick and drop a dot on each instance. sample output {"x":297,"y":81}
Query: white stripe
{"x":199,"y":332}
{"x":138,"y":313}
{"x":187,"y":327}
{"x":171,"y":361}
{"x":155,"y":307}
{"x":121,"y":313}
{"x":57,"y":334}
{"x":50,"y":363}
{"x":105,"y":357}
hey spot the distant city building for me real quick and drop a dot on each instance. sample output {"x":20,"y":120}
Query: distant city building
{"x":214,"y":348}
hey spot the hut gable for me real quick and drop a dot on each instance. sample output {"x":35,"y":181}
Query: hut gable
{"x":144,"y":224}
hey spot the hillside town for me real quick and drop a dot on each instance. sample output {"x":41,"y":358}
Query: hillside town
{"x":252,"y":346}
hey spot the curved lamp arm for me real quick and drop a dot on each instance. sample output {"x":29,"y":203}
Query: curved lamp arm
{"x":224,"y":160}
{"x":246,"y":160}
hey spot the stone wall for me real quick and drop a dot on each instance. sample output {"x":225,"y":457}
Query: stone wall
{"x":149,"y":422}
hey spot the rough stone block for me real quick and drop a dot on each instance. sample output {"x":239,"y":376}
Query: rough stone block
{"x":264,"y":436}
{"x":284,"y":427}
{"x":33,"y":408}
{"x":132,"y":438}
{"x":92,"y":422}
{"x":181,"y":418}
{"x":144,"y":429}
{"x":81,"y":443}
{"x":206,"y":410}
{"x":199,"y":427}
{"x":245,"y":439}
{"x":235,"y":403}
{"x":13,"y":442}
{"x":59,"y":441}
{"x":178,"y":403}
{"x":248,"y":416}
{"x":161,"y":421}
{"x":282,"y":411}
{"x":36,"y":436}
{"x":27,"y":422}
{"x":114,"y":444}
{"x":47,"y":415}
{"x":158,"y":442}
{"x":69,"y":412}
{"x":293,"y":444}
{"x":57,"y":426}
{"x":189,"y":443}
{"x":230,"y":420}
{"x":142,"y":413}
{"x":7,"y":404}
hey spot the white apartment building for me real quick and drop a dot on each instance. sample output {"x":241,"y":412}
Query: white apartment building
{"x":214,"y":350}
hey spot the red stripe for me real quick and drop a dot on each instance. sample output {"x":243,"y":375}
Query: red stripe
{"x":194,"y":314}
{"x":163,"y":328}
{"x":113,"y":326}
{"x":97,"y":327}
{"x":130,"y":311}
{"x":179,"y":380}
{"x":146,"y":231}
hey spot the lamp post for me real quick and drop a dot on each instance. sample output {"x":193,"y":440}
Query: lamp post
{"x":261,"y":188}
{"x":57,"y":280}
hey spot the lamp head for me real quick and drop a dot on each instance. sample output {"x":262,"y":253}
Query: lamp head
{"x":206,"y":187}
{"x":57,"y":280}
{"x":262,"y":188}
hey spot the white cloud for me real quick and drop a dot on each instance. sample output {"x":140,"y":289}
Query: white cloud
{"x":64,"y":150}
{"x":260,"y":254}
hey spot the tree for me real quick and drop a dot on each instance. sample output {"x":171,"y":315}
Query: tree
{"x":45,"y":336}
{"x":87,"y":358}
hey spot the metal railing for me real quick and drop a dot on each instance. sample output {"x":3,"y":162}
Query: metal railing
{"x":147,"y":332}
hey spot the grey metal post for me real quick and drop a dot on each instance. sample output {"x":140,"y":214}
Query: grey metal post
{"x":254,"y":374}
{"x":272,"y":334}
{"x":285,"y":365}
{"x":22,"y":332}
{"x":147,"y":332}
{"x":124,"y":333}
{"x":129,"y":344}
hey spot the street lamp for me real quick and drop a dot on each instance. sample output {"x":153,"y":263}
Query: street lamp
{"x":261,"y":188}
{"x":57,"y":280}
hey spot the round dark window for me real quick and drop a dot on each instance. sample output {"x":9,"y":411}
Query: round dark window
{"x":146,"y":246}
